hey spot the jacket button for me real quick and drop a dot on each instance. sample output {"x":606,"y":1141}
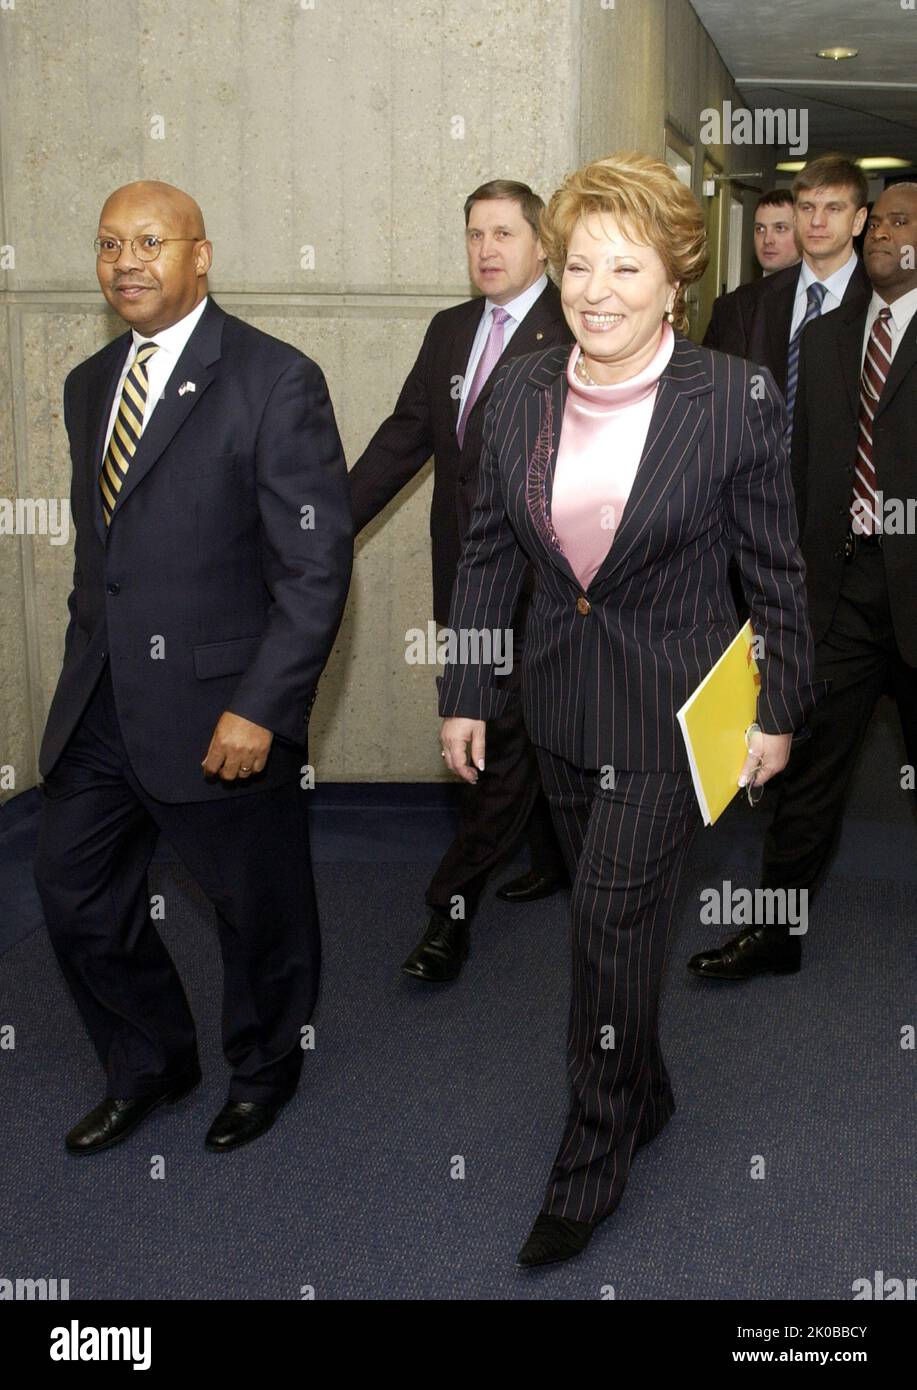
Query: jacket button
{"x":113,"y":588}
{"x":583,"y":605}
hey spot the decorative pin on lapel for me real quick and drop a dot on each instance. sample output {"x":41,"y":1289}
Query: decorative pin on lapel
{"x":186,"y":386}
{"x":538,"y":337}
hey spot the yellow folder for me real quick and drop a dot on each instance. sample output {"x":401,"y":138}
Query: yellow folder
{"x":714,"y":720}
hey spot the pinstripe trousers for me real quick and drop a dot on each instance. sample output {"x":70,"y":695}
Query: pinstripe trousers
{"x":625,"y":848}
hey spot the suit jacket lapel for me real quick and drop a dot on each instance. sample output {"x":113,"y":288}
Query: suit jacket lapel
{"x":97,"y":416}
{"x":196,"y":364}
{"x":902,"y":362}
{"x":677,"y":420}
{"x":849,"y":346}
{"x":527,"y":338}
{"x":544,"y":413}
{"x":676,"y":423}
{"x":461,"y":349}
{"x":779,"y":322}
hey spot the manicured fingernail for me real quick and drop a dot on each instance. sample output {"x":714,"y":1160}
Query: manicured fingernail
{"x":481,"y":764}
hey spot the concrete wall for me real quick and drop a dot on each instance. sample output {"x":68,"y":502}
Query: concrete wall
{"x":349,"y":132}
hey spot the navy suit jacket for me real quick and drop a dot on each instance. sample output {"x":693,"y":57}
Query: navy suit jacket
{"x":730,"y":320}
{"x":771,"y":315}
{"x":424,"y":422}
{"x":605,"y":671}
{"x":824,"y":451}
{"x":211,"y":590}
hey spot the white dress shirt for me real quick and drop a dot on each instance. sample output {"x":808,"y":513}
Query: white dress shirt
{"x":835,"y":288}
{"x":159,"y":367}
{"x":517,"y":309}
{"x":903,"y":311}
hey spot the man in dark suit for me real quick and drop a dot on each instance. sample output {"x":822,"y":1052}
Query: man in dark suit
{"x":440,"y":411}
{"x":213,"y":556}
{"x":775,"y":249}
{"x":829,"y":210}
{"x":856,"y":498}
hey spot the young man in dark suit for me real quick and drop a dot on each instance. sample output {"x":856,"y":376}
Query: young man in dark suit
{"x":775,"y":249}
{"x":440,"y":411}
{"x":213,"y":555}
{"x":856,"y":499}
{"x":829,"y":210}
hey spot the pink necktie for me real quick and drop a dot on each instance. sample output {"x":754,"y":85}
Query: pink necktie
{"x":493,"y":350}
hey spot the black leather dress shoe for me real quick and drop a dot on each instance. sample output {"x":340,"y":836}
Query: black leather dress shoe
{"x":239,"y":1122}
{"x":113,"y":1120}
{"x":756,"y":951}
{"x":440,"y":953}
{"x":553,"y":1238}
{"x":531,"y":886}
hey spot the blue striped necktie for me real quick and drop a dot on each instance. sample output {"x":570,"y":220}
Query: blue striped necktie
{"x":815,"y":295}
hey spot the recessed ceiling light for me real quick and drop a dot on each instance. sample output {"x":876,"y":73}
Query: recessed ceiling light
{"x":878,"y":161}
{"x":836,"y":54}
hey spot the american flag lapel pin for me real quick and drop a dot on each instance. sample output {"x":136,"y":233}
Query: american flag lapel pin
{"x":186,"y":386}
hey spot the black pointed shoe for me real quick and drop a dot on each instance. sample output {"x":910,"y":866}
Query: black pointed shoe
{"x":239,"y":1122}
{"x":113,"y":1120}
{"x":756,"y":951}
{"x":531,"y":886}
{"x":440,"y":953}
{"x":552,"y":1239}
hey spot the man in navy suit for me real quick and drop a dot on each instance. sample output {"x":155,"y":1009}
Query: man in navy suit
{"x":440,"y":411}
{"x":213,"y":556}
{"x":829,"y":210}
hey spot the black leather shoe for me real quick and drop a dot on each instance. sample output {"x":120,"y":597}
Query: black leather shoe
{"x":113,"y":1120}
{"x":553,"y":1238}
{"x":531,"y":886}
{"x":239,"y":1122}
{"x":753,"y":952}
{"x":439,"y":955}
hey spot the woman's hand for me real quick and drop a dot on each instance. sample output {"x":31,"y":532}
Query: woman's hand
{"x":769,"y":755}
{"x":455,"y":735}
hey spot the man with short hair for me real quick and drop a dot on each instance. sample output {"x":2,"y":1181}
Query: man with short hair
{"x":775,"y":234}
{"x":856,"y":497}
{"x":775,"y":249}
{"x":829,"y":209}
{"x":213,"y":554}
{"x":440,"y":411}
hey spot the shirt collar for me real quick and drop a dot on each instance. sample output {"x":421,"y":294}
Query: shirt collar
{"x":174,"y":338}
{"x":903,"y":309}
{"x":835,"y":284}
{"x":518,"y":308}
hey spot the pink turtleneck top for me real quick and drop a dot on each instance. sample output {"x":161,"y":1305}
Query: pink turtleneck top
{"x":601,"y":442}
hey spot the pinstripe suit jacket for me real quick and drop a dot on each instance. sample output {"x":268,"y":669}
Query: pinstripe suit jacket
{"x":605,"y":672}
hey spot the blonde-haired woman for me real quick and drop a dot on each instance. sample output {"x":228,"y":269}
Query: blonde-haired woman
{"x":627,"y":471}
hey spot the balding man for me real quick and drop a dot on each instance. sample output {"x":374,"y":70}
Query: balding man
{"x":213,"y":552}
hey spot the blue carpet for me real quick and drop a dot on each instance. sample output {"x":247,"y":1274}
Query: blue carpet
{"x":352,"y":1193}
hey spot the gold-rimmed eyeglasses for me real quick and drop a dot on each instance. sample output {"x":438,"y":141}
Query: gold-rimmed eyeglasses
{"x":145,"y":248}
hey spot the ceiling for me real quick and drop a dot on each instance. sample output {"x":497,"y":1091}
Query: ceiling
{"x":864,"y":106}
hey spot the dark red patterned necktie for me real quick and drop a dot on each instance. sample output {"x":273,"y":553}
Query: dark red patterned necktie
{"x":864,"y":517}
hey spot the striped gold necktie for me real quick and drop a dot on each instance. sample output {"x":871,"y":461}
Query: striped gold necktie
{"x":128,"y":427}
